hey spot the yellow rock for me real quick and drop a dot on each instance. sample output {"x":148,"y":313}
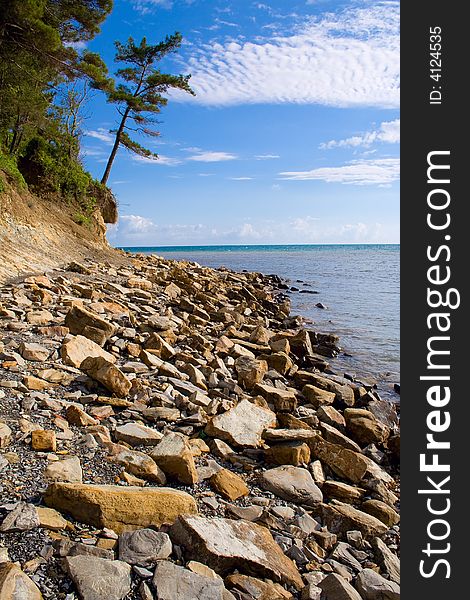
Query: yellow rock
{"x":51,"y":519}
{"x":43,"y":440}
{"x":229,"y":485}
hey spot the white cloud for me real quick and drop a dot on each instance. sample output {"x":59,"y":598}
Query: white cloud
{"x":346,"y":59}
{"x":388,"y":132}
{"x":241,"y":178}
{"x":101,"y":134}
{"x":147,"y":6}
{"x":267,"y":156}
{"x":210,"y":156}
{"x":168,"y":161}
{"x":381,"y":171}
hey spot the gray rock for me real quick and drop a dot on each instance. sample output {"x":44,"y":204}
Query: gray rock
{"x":388,"y":562}
{"x":373,"y":586}
{"x":335,"y":587}
{"x":98,"y":578}
{"x":136,"y":434}
{"x":292,"y":483}
{"x":173,"y":582}
{"x":23,"y":517}
{"x":343,"y":554}
{"x":68,"y":470}
{"x":144,"y":547}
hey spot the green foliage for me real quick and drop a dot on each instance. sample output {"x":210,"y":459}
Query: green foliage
{"x":8,"y":165}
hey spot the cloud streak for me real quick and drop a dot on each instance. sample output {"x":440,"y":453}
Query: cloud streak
{"x":383,"y":171}
{"x":348,"y":59}
{"x":388,"y":132}
{"x":210,"y":156}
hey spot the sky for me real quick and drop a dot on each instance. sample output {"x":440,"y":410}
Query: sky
{"x":292,"y":136}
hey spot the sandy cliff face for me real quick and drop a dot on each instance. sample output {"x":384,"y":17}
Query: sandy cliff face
{"x":36,"y":234}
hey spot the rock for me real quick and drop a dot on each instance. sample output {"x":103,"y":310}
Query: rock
{"x":335,"y":436}
{"x":172,"y":582}
{"x":345,"y":463}
{"x":247,"y":513}
{"x":76,"y":416}
{"x":107,"y":374}
{"x":342,"y":491}
{"x":282,"y":400}
{"x":67,"y":470}
{"x":229,"y":485}
{"x":140,"y":465}
{"x":36,"y":384}
{"x":335,"y":587}
{"x":23,"y":517}
{"x":119,"y":508}
{"x":381,"y":511}
{"x":343,"y":393}
{"x":256,"y":588}
{"x":293,"y":484}
{"x":144,"y":547}
{"x":83,"y":322}
{"x":50,"y":519}
{"x":136,"y":434}
{"x":33,"y":351}
{"x":5,"y":435}
{"x":98,"y":578}
{"x":65,"y":547}
{"x":389,"y":563}
{"x":329,"y":415}
{"x":316,"y":396}
{"x":364,"y":427}
{"x":74,"y":351}
{"x":341,"y":518}
{"x":16,"y":585}
{"x":173,"y":455}
{"x":311,"y":592}
{"x":289,"y":435}
{"x":279,"y":361}
{"x":291,"y":453}
{"x":250,"y":371}
{"x":160,"y":347}
{"x":343,"y":554}
{"x":224,"y":545}
{"x":371,"y":586}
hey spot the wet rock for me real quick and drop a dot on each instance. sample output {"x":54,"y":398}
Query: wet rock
{"x":172,"y":581}
{"x":173,"y":455}
{"x":98,"y":578}
{"x":67,"y":470}
{"x":75,"y":350}
{"x":229,"y":485}
{"x":16,"y":585}
{"x":335,"y":587}
{"x":144,"y":547}
{"x":86,"y":323}
{"x":292,"y":483}
{"x":136,"y":434}
{"x":224,"y":545}
{"x":371,"y":586}
{"x":119,"y":508}
{"x":107,"y":374}
{"x":242,"y":425}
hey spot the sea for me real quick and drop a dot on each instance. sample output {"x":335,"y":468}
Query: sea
{"x":357,"y":283}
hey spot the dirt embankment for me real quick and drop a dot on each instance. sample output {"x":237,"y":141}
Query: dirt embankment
{"x":37,"y":234}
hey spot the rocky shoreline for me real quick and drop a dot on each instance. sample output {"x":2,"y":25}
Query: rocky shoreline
{"x":171,"y":431}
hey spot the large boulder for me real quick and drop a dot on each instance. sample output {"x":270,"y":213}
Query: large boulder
{"x":119,"y":508}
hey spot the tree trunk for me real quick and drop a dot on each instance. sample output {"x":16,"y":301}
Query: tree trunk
{"x":117,"y":141}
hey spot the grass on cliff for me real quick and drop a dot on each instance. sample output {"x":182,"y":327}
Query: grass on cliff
{"x":9,"y":166}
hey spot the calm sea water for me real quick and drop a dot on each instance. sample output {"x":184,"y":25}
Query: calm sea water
{"x":359,"y":284}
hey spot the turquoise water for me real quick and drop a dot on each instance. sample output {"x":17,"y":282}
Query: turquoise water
{"x":359,"y":284}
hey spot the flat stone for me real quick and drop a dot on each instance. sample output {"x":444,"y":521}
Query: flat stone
{"x":256,"y":588}
{"x":65,"y":547}
{"x":341,"y":518}
{"x":292,"y":483}
{"x":23,"y":517}
{"x":335,"y":436}
{"x":371,"y":586}
{"x":140,"y":465}
{"x":5,"y":435}
{"x":250,"y":371}
{"x":363,"y":427}
{"x":335,"y":587}
{"x":75,"y":350}
{"x":51,"y":519}
{"x":388,"y":561}
{"x":282,"y":400}
{"x":77,"y":416}
{"x":381,"y":511}
{"x":136,"y":434}
{"x":343,"y":393}
{"x":173,"y":455}
{"x":289,"y":435}
{"x":242,"y":425}
{"x":229,"y":485}
{"x":173,"y":582}
{"x":98,"y":578}
{"x":331,"y":416}
{"x":119,"y":508}
{"x":144,"y":547}
{"x":81,"y":321}
{"x":16,"y":585}
{"x":342,"y":491}
{"x":225,"y":545}
{"x":345,"y":463}
{"x":66,"y":470}
{"x":291,"y":453}
{"x":34,"y":352}
{"x":107,"y":374}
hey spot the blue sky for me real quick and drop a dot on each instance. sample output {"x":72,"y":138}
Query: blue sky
{"x":293,"y":136}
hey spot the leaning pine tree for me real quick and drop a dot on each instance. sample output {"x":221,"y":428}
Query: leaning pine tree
{"x":142,"y":92}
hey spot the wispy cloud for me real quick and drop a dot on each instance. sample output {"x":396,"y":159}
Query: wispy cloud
{"x":168,"y":161}
{"x":101,"y":134}
{"x":241,"y":178}
{"x":383,"y":171}
{"x":146,"y":6}
{"x":267,"y":156}
{"x":388,"y":132}
{"x":210,"y":156}
{"x":346,"y":59}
